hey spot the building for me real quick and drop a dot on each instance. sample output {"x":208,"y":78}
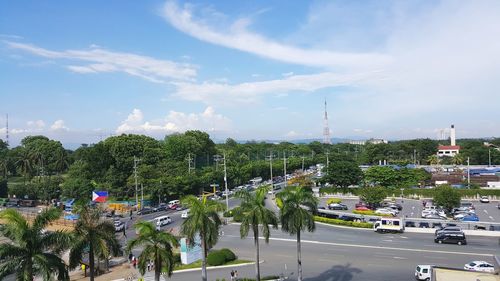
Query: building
{"x":452,"y":149}
{"x":370,"y":141}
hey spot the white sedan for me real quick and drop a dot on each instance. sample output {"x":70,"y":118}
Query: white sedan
{"x":384,"y":211}
{"x":185,"y":214}
{"x":484,"y":199}
{"x":479,"y":266}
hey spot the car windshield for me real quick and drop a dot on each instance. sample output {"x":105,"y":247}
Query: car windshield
{"x":472,"y":264}
{"x":418,"y":268}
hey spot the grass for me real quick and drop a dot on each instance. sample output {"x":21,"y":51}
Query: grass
{"x":197,"y":264}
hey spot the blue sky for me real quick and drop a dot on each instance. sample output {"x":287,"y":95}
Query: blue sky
{"x":79,"y":71}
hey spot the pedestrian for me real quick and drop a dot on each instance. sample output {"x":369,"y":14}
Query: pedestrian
{"x":130,"y":214}
{"x":236,"y":275}
{"x":149,"y":265}
{"x":130,"y":257}
{"x":232,"y":275}
{"x":124,"y":232}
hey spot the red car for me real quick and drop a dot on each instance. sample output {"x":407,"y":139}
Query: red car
{"x":359,"y":204}
{"x":362,"y":208}
{"x":174,"y":206}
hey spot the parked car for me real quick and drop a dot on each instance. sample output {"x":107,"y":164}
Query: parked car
{"x":484,"y":199}
{"x":337,"y":206}
{"x":385,"y":211}
{"x":392,"y":205}
{"x":423,"y":272}
{"x":359,"y":204}
{"x":173,"y":206}
{"x":498,"y":205}
{"x":424,"y":224}
{"x":460,"y":216}
{"x":494,"y":228}
{"x":434,"y":217}
{"x":410,"y":224}
{"x":467,"y":205}
{"x":451,"y":238}
{"x":448,"y":229}
{"x":145,"y":211}
{"x":470,"y":218}
{"x":362,"y":208}
{"x":481,"y":266}
{"x":160,"y":208}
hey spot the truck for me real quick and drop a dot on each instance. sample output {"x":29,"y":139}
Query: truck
{"x":389,"y":225}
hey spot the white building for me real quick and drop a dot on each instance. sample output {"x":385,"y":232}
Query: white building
{"x":448,"y":150}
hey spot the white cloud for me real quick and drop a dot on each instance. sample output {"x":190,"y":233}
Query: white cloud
{"x":175,"y":121}
{"x":291,"y":134}
{"x":36,"y":124}
{"x":101,"y":60}
{"x":58,"y":125}
{"x":237,"y":36}
{"x":287,"y":74}
{"x":223,"y":93}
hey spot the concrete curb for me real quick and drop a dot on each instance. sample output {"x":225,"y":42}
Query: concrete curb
{"x":216,"y":267}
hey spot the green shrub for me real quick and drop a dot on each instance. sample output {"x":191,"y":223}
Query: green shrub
{"x":333,"y":201}
{"x":366,"y":213}
{"x":228,"y":214}
{"x":237,"y":214}
{"x":177,"y":258}
{"x":228,"y":254}
{"x":216,"y":258}
{"x":342,"y":222}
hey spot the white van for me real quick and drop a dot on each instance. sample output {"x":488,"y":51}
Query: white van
{"x":163,"y":220}
{"x":173,"y":202}
{"x":389,"y":225}
{"x":423,"y":272}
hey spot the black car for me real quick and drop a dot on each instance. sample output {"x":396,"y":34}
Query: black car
{"x":451,"y":238}
{"x":144,"y":211}
{"x":424,"y":225}
{"x":410,"y":224}
{"x":348,"y":218}
{"x":437,"y":225}
{"x":448,"y":229}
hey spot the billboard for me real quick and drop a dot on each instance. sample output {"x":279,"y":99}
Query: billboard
{"x":190,"y":254}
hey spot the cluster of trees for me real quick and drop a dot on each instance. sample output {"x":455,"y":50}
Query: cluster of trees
{"x":181,"y":164}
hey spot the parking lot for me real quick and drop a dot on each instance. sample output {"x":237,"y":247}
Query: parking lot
{"x":487,"y":212}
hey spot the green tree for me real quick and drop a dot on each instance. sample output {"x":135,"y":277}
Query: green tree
{"x":203,"y":222}
{"x":385,"y":176}
{"x":255,"y":214}
{"x":297,"y":205}
{"x":156,"y":246}
{"x":372,"y":195}
{"x":447,"y":197}
{"x":433,"y":160}
{"x":94,"y":235}
{"x":457,"y":159}
{"x":32,"y":252}
{"x":344,"y":173}
{"x":24,"y":163}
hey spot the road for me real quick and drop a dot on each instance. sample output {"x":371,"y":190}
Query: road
{"x":344,"y":254}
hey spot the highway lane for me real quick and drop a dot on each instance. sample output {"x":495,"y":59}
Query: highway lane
{"x":343,"y":254}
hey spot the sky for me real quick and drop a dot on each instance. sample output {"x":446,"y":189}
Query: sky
{"x":81,"y":71}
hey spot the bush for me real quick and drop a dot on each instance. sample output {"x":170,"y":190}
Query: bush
{"x":366,"y":213}
{"x":177,"y":258}
{"x":343,"y":222}
{"x":216,"y":258}
{"x":228,"y":254}
{"x":228,"y":214}
{"x":237,"y":214}
{"x":333,"y":201}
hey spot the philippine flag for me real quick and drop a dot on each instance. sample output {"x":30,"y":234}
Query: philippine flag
{"x":99,"y":196}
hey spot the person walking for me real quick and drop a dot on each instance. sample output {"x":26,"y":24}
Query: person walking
{"x":236,"y":275}
{"x":232,"y":275}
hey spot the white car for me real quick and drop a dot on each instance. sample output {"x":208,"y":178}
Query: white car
{"x":384,"y":211}
{"x":427,"y":212}
{"x":484,"y":199}
{"x":185,"y":214}
{"x":423,"y":272}
{"x":479,"y":266}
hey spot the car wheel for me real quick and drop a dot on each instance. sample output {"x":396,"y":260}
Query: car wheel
{"x":427,"y":279}
{"x":459,"y":243}
{"x":440,"y":242}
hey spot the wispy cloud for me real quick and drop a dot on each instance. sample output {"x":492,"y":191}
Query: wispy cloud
{"x":237,"y":36}
{"x":101,"y":60}
{"x":175,"y":121}
{"x":223,"y":93}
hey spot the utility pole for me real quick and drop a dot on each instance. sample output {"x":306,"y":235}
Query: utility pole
{"x":225,"y":182}
{"x":284,"y":166}
{"x":142,"y":196}
{"x":489,"y":157}
{"x":468,"y":172}
{"x":136,"y":160}
{"x":270,"y":158}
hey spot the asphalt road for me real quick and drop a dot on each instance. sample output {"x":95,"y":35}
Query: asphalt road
{"x":344,"y":254}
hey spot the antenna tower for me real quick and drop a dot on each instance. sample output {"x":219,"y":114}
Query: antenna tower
{"x":326,"y":129}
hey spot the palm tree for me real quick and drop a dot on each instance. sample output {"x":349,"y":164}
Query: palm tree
{"x":24,"y":163}
{"x":296,"y":205}
{"x":433,"y":159}
{"x":457,"y":159}
{"x":203,"y":222}
{"x":157,"y":246}
{"x":94,"y":235}
{"x":33,"y":251}
{"x":61,"y":161}
{"x":255,"y":214}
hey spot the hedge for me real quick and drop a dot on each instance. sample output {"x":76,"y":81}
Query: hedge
{"x":343,"y":222}
{"x":333,"y":201}
{"x":370,"y":213}
{"x":216,"y":258}
{"x":228,"y":254}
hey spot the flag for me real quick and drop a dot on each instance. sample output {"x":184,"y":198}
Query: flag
{"x":99,"y":196}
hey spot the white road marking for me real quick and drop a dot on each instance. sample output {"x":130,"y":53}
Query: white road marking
{"x":387,"y":240}
{"x":379,"y":247}
{"x":399,"y":258}
{"x":491,"y":218}
{"x":485,"y":211}
{"x":404,"y":237}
